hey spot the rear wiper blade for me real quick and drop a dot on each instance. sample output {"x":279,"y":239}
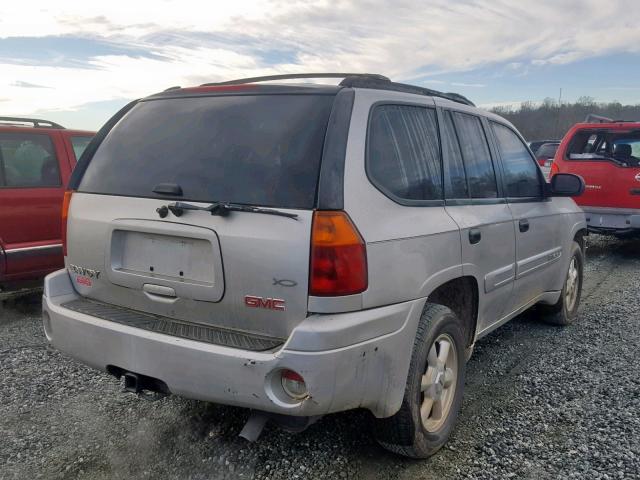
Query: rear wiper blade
{"x":236,"y":207}
{"x":220,"y":208}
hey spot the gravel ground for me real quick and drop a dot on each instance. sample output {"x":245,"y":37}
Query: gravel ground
{"x":540,"y":402}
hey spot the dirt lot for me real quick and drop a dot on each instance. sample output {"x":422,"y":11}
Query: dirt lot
{"x":540,"y":402}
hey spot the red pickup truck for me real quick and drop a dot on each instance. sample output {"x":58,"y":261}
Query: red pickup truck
{"x":36,"y":160}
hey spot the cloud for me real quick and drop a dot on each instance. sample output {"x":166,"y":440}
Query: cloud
{"x":99,"y":52}
{"x":65,"y":51}
{"x":471,"y":85}
{"x":21,"y":84}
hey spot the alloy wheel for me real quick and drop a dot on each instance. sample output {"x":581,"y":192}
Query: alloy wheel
{"x":438,"y":384}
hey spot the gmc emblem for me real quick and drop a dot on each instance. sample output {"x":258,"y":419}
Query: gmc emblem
{"x":268,"y":303}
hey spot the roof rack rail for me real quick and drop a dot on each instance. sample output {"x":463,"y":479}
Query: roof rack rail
{"x":358,"y":80}
{"x":593,"y":118}
{"x":293,"y":76}
{"x":37,"y":122}
{"x":369,"y":82}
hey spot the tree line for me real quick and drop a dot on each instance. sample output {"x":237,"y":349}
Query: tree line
{"x":551,"y":119}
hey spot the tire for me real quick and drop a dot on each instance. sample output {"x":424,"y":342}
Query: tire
{"x":406,"y":433}
{"x":565,"y":311}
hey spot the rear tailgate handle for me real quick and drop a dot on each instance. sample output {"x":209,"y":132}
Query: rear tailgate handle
{"x":159,"y":292}
{"x":523,"y":225}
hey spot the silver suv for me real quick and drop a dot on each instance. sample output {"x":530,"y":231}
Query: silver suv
{"x":302,"y":249}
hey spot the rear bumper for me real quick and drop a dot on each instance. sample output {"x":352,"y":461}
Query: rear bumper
{"x":612,"y":220}
{"x":348,"y":361}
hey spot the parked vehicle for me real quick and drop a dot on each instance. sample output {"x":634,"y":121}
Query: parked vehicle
{"x":36,"y":159}
{"x":535,"y":145}
{"x":308,"y":249}
{"x":544,"y":156}
{"x":606,"y":153}
{"x":546,"y":153}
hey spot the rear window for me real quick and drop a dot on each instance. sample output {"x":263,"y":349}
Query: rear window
{"x":250,"y":149}
{"x":548,"y":150}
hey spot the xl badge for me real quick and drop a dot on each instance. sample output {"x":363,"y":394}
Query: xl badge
{"x":638,"y":177}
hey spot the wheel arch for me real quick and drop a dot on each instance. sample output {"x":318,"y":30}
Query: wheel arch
{"x":461,"y":295}
{"x":579,"y":236}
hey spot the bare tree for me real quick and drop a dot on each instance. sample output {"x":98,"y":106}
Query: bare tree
{"x":551,"y":119}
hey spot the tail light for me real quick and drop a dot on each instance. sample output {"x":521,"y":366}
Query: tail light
{"x":338,"y":256}
{"x":65,"y":213}
{"x":554,"y":169}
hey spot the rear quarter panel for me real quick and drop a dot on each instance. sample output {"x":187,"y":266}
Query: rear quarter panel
{"x":410,"y":249}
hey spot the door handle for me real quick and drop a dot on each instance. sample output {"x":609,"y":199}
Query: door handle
{"x":474,"y":236}
{"x":523,"y":225}
{"x":159,"y":293}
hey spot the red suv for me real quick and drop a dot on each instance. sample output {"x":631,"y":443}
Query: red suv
{"x":36,"y":159}
{"x":607,"y":155}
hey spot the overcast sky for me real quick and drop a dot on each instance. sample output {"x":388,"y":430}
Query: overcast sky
{"x":76,"y":63}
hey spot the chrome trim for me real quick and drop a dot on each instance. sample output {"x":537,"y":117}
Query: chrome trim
{"x":38,"y":247}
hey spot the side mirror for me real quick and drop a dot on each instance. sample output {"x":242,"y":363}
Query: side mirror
{"x":566,"y":185}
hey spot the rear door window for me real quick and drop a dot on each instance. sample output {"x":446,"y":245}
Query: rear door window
{"x":626,"y":148}
{"x":79,"y":144}
{"x":403,"y":158}
{"x":616,"y":146}
{"x":521,"y":174}
{"x":249,"y":149}
{"x":455,"y":178}
{"x":481,"y":175}
{"x":28,"y":160}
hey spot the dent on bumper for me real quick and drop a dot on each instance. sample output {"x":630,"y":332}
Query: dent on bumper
{"x":350,"y":360}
